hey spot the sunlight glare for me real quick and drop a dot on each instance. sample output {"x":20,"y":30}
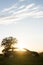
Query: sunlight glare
{"x":20,"y":47}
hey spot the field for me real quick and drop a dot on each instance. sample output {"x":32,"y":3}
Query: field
{"x":21,"y":58}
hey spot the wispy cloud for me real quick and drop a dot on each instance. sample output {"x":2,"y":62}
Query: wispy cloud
{"x":21,"y":7}
{"x":9,"y":8}
{"x":21,"y":0}
{"x":21,"y":12}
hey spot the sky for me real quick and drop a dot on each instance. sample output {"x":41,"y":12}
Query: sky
{"x":22,"y":19}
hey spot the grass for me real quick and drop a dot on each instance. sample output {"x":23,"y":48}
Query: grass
{"x":23,"y":59}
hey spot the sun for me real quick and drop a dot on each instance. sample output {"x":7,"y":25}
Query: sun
{"x":21,"y":44}
{"x":20,"y":47}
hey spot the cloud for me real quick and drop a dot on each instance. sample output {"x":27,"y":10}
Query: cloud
{"x":21,"y":12}
{"x":21,"y":7}
{"x":9,"y":8}
{"x":8,"y":19}
{"x":22,"y":0}
{"x":25,"y":9}
{"x":30,"y":5}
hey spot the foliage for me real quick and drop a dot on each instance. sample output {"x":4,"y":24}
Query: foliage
{"x":7,"y":43}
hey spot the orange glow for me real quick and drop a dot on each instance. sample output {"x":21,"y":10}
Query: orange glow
{"x":20,"y":49}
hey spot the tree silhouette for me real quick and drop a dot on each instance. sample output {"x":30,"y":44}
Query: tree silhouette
{"x":7,"y":43}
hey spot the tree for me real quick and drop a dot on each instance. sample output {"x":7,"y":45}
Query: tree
{"x":7,"y":43}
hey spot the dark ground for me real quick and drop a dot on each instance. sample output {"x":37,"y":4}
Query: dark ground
{"x":22,"y":58}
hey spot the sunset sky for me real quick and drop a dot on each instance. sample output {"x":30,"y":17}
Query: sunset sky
{"x":23,"y":19}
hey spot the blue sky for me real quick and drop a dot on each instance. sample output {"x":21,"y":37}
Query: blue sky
{"x":23,"y":19}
